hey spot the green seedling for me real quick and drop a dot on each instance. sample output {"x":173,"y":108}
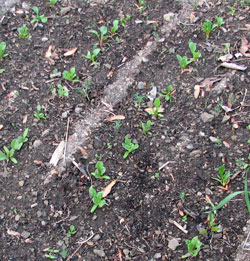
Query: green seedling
{"x":71,"y":75}
{"x":139,"y":99}
{"x":211,"y":224}
{"x":208,"y":27}
{"x":129,"y":146}
{"x":97,"y":199}
{"x":227,"y":48}
{"x":2,"y":70}
{"x":101,"y":37}
{"x":38,"y":114}
{"x":52,"y":2}
{"x":231,"y":9}
{"x":146,"y":127}
{"x":100,"y":170}
{"x":182,"y":196}
{"x":192,"y":47}
{"x":223,"y":177}
{"x":167,"y":93}
{"x":240,"y":164}
{"x":87,"y":83}
{"x":156,"y":109}
{"x":91,"y":56}
{"x":53,"y":253}
{"x":219,"y":21}
{"x":38,"y":18}
{"x":124,"y":19}
{"x":194,"y":247}
{"x":109,"y":145}
{"x":117,"y":125}
{"x":19,"y":141}
{"x":141,"y":6}
{"x":62,"y":91}
{"x":157,"y":175}
{"x":183,"y":61}
{"x":23,"y":32}
{"x":71,"y":231}
{"x":15,"y":210}
{"x":2,"y":50}
{"x":9,"y":154}
{"x":115,"y":27}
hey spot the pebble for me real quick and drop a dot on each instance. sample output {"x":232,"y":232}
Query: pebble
{"x":141,"y":85}
{"x":96,"y":237}
{"x":225,"y":119}
{"x":206,"y":117}
{"x":65,"y":114}
{"x":78,"y":110}
{"x":37,"y":144}
{"x":39,"y":213}
{"x":25,"y":234}
{"x":21,"y":183}
{"x":126,"y":252}
{"x":65,"y":10}
{"x":213,"y":139}
{"x":173,"y":243}
{"x":17,"y":217}
{"x":99,"y":252}
{"x":190,"y":146}
{"x":145,"y":60}
{"x":167,"y":17}
{"x":234,"y":138}
{"x":54,"y":75}
{"x":45,"y":39}
{"x":157,"y":255}
{"x":208,"y":191}
{"x":199,"y":194}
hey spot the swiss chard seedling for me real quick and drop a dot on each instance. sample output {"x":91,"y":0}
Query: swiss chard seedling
{"x":115,"y":27}
{"x":155,"y":111}
{"x":38,"y":114}
{"x":129,"y":146}
{"x":97,"y":199}
{"x":219,"y":21}
{"x":208,"y":27}
{"x":183,"y":61}
{"x":139,"y":99}
{"x":146,"y":127}
{"x":231,"y":9}
{"x":223,"y":177}
{"x":124,"y":19}
{"x":71,"y":75}
{"x":102,"y":36}
{"x":211,"y":225}
{"x":194,"y":247}
{"x":72,"y":231}
{"x":23,"y":32}
{"x":53,"y":253}
{"x":167,"y":93}
{"x":192,"y":47}
{"x":91,"y":56}
{"x":52,"y":2}
{"x":2,"y":50}
{"x":100,"y":170}
{"x":141,"y":6}
{"x":38,"y":18}
{"x":62,"y":91}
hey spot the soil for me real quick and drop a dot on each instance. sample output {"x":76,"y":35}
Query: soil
{"x":168,"y":179}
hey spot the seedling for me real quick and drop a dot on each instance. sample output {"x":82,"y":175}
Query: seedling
{"x":182,"y":196}
{"x":124,"y":19}
{"x":227,"y":48}
{"x":2,"y":50}
{"x":97,"y":199}
{"x":220,"y":21}
{"x":101,"y":37}
{"x":2,"y":70}
{"x":100,"y":170}
{"x":139,"y":99}
{"x":38,"y":18}
{"x":141,"y":6}
{"x":115,"y":26}
{"x":53,"y":253}
{"x":156,"y":109}
{"x":87,"y":83}
{"x":53,"y":2}
{"x":38,"y":114}
{"x":92,"y":56}
{"x":117,"y":125}
{"x":71,"y":75}
{"x":211,"y":224}
{"x":184,"y":62}
{"x":18,"y":142}
{"x":157,"y":175}
{"x":71,"y":231}
{"x":231,"y":9}
{"x":194,"y":247}
{"x":223,"y":177}
{"x":192,"y":47}
{"x":167,"y":93}
{"x":62,"y":91}
{"x":208,"y":27}
{"x":129,"y":146}
{"x":146,"y":127}
{"x":23,"y":32}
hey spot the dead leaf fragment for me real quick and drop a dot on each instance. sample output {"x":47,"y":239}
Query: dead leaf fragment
{"x":226,"y":144}
{"x":226,"y":57}
{"x":108,"y":188}
{"x":25,"y":118}
{"x":83,"y":151}
{"x":70,"y":52}
{"x":245,"y":46}
{"x":13,"y":233}
{"x":115,"y":117}
{"x":48,"y":52}
{"x":234,"y":66}
{"x":192,"y":16}
{"x":197,"y":89}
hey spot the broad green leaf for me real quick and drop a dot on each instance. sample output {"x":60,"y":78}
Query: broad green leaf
{"x":157,"y":102}
{"x":103,"y":29}
{"x":7,"y":151}
{"x":93,"y":208}
{"x":102,"y":203}
{"x":96,"y":52}
{"x":35,"y":9}
{"x":3,"y":156}
{"x":14,"y":160}
{"x":92,"y":191}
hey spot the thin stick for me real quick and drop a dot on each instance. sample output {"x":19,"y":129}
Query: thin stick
{"x":66,"y":141}
{"x":81,"y":244}
{"x":243,"y":101}
{"x":165,"y":164}
{"x":178,"y":226}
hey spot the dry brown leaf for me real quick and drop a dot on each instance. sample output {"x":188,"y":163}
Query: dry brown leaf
{"x":197,"y":89}
{"x":13,"y":233}
{"x":245,"y":46}
{"x":192,"y":16}
{"x":108,"y":188}
{"x":115,"y":117}
{"x":181,"y":213}
{"x":25,"y":118}
{"x":83,"y":151}
{"x":208,"y":198}
{"x":48,"y":52}
{"x":70,"y":52}
{"x":227,"y":145}
{"x":39,"y":162}
{"x":226,"y":57}
{"x":234,"y":66}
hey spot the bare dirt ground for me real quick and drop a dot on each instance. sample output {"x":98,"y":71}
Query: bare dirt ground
{"x":158,"y":196}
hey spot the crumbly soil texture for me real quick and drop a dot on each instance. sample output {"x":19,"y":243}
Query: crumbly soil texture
{"x":163,"y":190}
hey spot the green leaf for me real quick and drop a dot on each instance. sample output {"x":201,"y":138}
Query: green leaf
{"x":13,"y":160}
{"x":92,"y":192}
{"x":103,"y":29}
{"x":246,"y":192}
{"x":7,"y":151}
{"x":3,"y":156}
{"x":44,"y":19}
{"x":94,"y":32}
{"x":126,"y":154}
{"x":93,"y":208}
{"x":157,"y":102}
{"x":96,"y":52}
{"x":53,"y":250}
{"x":63,"y":253}
{"x":35,"y":9}
{"x":102,"y":203}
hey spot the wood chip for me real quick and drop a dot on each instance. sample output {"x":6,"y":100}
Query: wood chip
{"x":108,"y":188}
{"x":115,"y":117}
{"x":70,"y":52}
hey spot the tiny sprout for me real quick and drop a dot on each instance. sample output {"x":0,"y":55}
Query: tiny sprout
{"x":38,"y":18}
{"x":129,"y":146}
{"x":23,"y":32}
{"x":183,"y":61}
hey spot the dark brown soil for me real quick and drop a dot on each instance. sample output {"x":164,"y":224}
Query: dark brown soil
{"x":136,"y":222}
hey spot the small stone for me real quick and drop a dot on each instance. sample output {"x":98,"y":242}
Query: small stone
{"x":196,"y":153}
{"x":99,"y":252}
{"x":157,"y":255}
{"x":173,"y":243}
{"x":43,"y":223}
{"x":190,"y":146}
{"x":39,"y":213}
{"x":234,"y":138}
{"x":17,"y":217}
{"x":46,"y":202}
{"x":225,"y":119}
{"x":45,"y":133}
{"x":126,"y":252}
{"x":199,"y":194}
{"x":45,"y":39}
{"x":206,"y":117}
{"x":208,"y":191}
{"x":141,"y":85}
{"x":78,"y":110}
{"x":21,"y":183}
{"x":65,"y":114}
{"x":37,"y":144}
{"x":54,"y":75}
{"x":96,"y":237}
{"x":213,"y":139}
{"x":168,"y":17}
{"x":145,"y":60}
{"x":25,"y":234}
{"x":65,"y":10}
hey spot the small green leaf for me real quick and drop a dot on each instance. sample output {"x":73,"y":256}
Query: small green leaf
{"x":35,"y":9}
{"x":3,"y":156}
